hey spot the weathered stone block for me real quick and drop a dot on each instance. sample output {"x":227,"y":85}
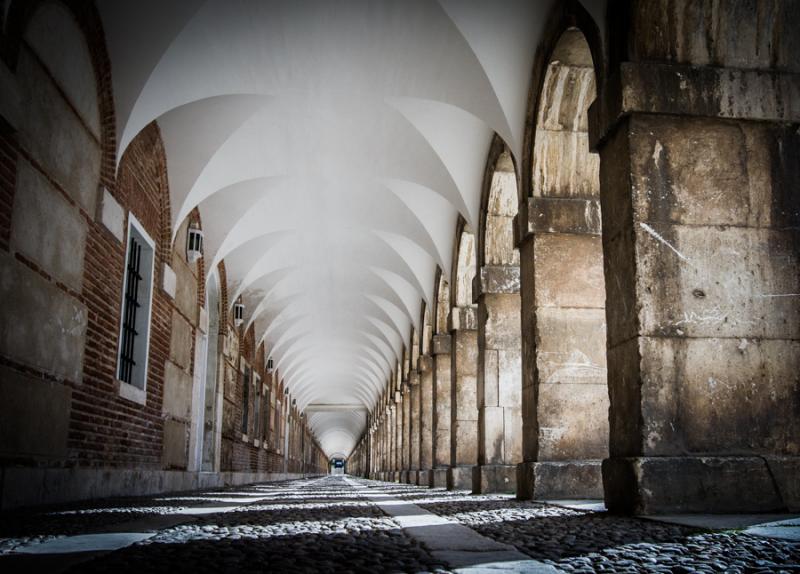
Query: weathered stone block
{"x":563,"y":215}
{"x":67,"y":60}
{"x":186,"y":291}
{"x":40,"y":325}
{"x":441,"y":344}
{"x":714,"y":395}
{"x":464,"y":442}
{"x":690,"y":484}
{"x":495,"y":280}
{"x":571,"y":346}
{"x":581,"y":479}
{"x":177,"y":392}
{"x":47,"y":229}
{"x":175,"y":454}
{"x":56,"y":137}
{"x":500,"y":317}
{"x":111,"y":214}
{"x":465,"y":405}
{"x":568,"y":271}
{"x":35,"y":416}
{"x":438,"y":478}
{"x":562,"y":152}
{"x":493,"y":478}
{"x":710,"y":282}
{"x":786,"y":472}
{"x":573,"y":421}
{"x":491,"y":434}
{"x":459,"y":478}
{"x":180,"y":346}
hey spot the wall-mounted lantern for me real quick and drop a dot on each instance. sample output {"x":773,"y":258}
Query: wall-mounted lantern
{"x":238,"y":313}
{"x":270,"y":366}
{"x":294,"y":402}
{"x":194,"y":243}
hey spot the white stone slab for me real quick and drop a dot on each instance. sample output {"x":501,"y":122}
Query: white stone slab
{"x":85,"y":543}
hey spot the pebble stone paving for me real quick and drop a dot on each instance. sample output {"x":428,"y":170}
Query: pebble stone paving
{"x":587,"y":541}
{"x":326,"y":525}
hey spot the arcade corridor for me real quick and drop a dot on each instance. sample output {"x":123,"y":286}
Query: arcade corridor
{"x":273,"y":270}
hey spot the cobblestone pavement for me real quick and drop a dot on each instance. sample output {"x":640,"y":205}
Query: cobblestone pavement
{"x":326,"y":525}
{"x":302,"y":526}
{"x":587,"y":541}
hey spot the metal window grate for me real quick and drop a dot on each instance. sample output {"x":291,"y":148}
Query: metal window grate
{"x":133,"y":278}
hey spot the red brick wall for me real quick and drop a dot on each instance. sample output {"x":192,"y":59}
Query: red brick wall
{"x":106,"y":429}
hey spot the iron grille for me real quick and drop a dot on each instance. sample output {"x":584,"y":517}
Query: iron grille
{"x":132,"y":280}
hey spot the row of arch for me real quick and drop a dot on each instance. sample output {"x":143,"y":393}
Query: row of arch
{"x":501,"y":362}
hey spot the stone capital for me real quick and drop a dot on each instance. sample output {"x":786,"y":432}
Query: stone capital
{"x":700,"y":91}
{"x":539,"y":215}
{"x":413,"y":379}
{"x":495,"y":279}
{"x":465,"y":318}
{"x":397,"y":397}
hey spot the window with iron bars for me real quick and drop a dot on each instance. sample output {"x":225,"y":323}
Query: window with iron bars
{"x":136,"y":307}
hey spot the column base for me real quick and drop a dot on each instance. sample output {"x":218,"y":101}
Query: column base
{"x":494,"y":478}
{"x":712,"y":484}
{"x":411,"y":477}
{"x":551,"y":480}
{"x":459,"y":478}
{"x":438,"y":478}
{"x":423,"y":478}
{"x":402,"y":477}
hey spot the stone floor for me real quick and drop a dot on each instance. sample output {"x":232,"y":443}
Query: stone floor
{"x":342,"y":524}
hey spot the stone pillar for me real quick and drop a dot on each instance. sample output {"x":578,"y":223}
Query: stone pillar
{"x":426,"y":419}
{"x":699,"y":180}
{"x":398,"y":435}
{"x":413,"y":384}
{"x":565,"y":392}
{"x":441,"y":410}
{"x":496,"y":290}
{"x":463,"y":395}
{"x":406,"y":454}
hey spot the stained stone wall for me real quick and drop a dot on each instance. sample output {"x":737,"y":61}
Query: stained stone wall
{"x":699,"y":231}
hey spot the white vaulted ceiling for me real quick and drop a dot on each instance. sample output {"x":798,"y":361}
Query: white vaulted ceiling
{"x":330,"y":147}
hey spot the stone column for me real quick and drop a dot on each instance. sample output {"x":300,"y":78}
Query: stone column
{"x":496,"y":290}
{"x":426,"y":419}
{"x":398,"y":435}
{"x":699,"y":185}
{"x":463,"y":395}
{"x":406,"y":454}
{"x":565,"y":392}
{"x":441,"y":410}
{"x":413,"y":383}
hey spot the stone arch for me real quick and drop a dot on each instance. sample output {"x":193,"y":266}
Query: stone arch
{"x":564,"y":393}
{"x":496,"y":291}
